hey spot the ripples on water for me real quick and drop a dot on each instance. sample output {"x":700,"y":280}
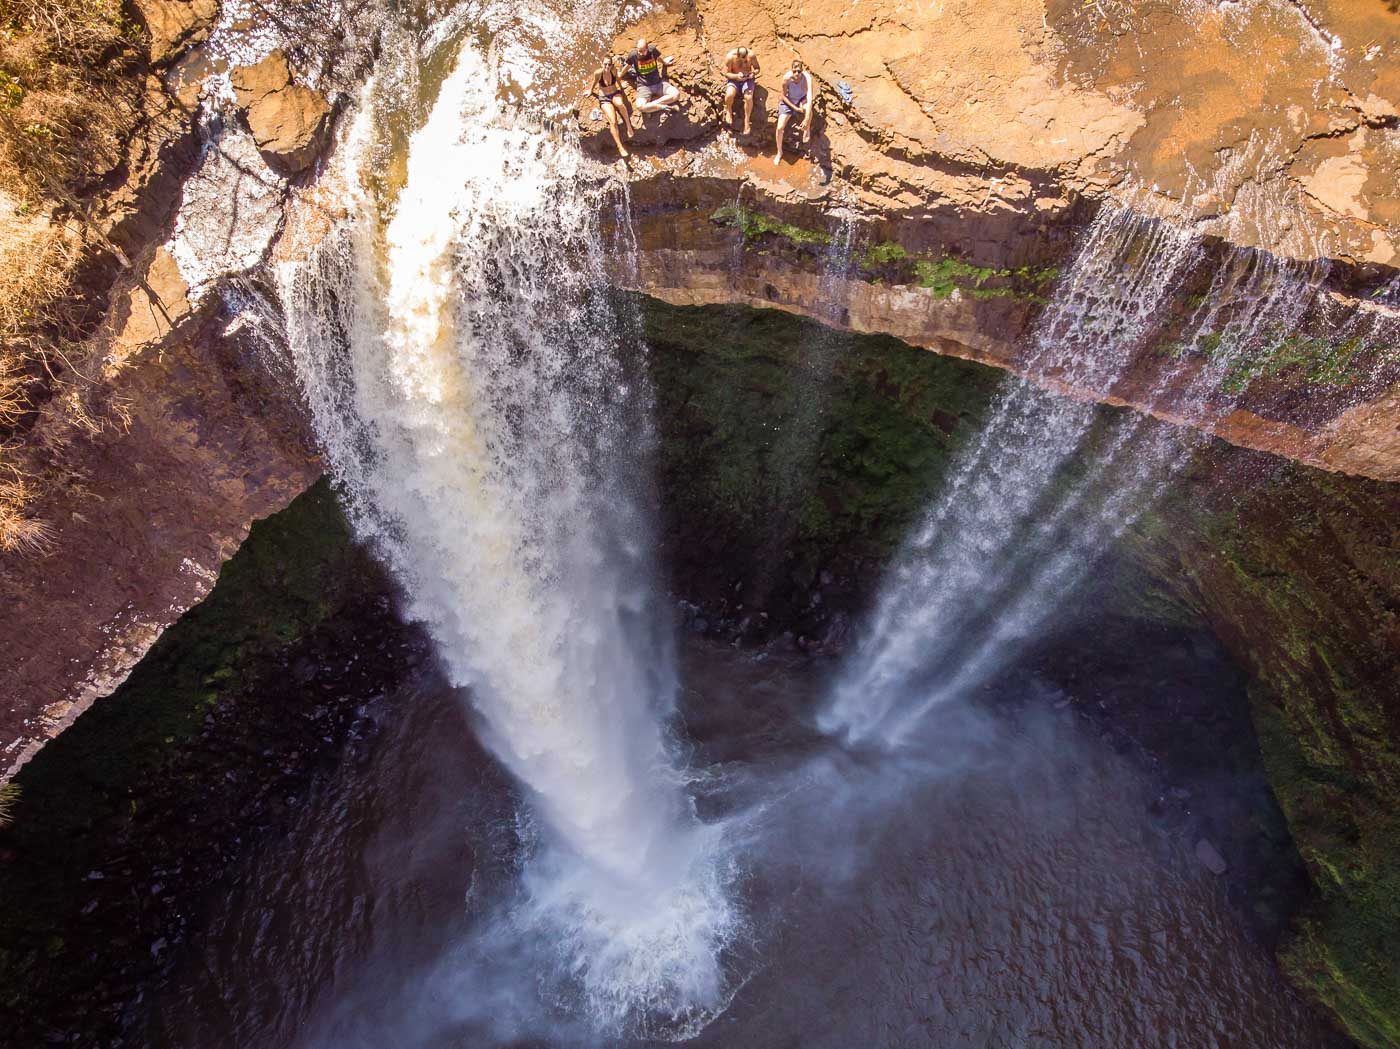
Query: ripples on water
{"x":1002,"y":886}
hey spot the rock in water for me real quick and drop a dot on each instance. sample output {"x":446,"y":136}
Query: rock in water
{"x":289,"y":121}
{"x":1210,"y":857}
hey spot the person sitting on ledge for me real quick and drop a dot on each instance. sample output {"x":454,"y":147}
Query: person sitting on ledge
{"x":740,"y":69}
{"x":797,"y":97}
{"x":647,"y":69}
{"x":612,"y":100}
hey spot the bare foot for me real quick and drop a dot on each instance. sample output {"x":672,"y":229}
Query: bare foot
{"x":777,"y":160}
{"x":748,"y":130}
{"x":624,"y":154}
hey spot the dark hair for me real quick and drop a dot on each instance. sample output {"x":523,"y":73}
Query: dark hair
{"x":797,"y":65}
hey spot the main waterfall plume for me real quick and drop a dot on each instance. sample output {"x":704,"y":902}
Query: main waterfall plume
{"x":461,"y":364}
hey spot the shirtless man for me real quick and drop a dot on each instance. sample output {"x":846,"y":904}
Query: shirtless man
{"x":798,"y":95}
{"x":740,"y":69}
{"x":606,"y":90}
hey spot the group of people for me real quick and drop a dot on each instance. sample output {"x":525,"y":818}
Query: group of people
{"x":647,"y":69}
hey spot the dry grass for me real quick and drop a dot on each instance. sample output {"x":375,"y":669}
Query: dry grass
{"x":70,"y":97}
{"x":38,"y":259}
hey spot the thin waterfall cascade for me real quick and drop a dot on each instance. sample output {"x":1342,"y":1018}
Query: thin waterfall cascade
{"x":794,"y":449}
{"x":1049,"y":483}
{"x":458,"y":351}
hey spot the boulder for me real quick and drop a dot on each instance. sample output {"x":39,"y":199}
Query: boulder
{"x":154,"y":308}
{"x":289,"y":121}
{"x":694,"y":118}
{"x":174,"y":25}
{"x":1210,"y":857}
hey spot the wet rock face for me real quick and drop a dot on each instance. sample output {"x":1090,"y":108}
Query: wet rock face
{"x":289,"y":121}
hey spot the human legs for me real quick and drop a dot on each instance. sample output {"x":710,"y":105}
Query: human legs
{"x":730,"y":90}
{"x":652,"y":97}
{"x":748,"y":106}
{"x":784,"y":115}
{"x":624,"y":112}
{"x":611,"y":114}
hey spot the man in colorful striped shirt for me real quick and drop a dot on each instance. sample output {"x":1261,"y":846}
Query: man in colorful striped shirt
{"x":647,"y":70}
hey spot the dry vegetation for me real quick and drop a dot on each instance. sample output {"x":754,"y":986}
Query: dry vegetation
{"x":70,"y":96}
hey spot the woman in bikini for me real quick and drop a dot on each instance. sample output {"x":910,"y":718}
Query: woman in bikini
{"x":797,"y":97}
{"x":607,"y":89}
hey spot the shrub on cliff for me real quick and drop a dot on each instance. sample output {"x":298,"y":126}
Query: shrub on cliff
{"x":9,"y":794}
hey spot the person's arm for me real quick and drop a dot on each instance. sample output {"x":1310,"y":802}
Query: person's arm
{"x":753,"y":65}
{"x":597,"y":84}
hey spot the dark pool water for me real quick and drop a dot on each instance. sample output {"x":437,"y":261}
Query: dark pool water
{"x":1000,"y":885}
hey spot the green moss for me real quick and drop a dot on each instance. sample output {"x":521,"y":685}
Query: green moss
{"x":1315,"y":361}
{"x":945,"y":275}
{"x":1299,"y":571}
{"x":755,"y":225}
{"x":783,"y":441}
{"x":884,"y":253}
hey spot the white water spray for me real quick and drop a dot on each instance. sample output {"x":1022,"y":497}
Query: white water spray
{"x":1019,"y":525}
{"x":461,"y":367}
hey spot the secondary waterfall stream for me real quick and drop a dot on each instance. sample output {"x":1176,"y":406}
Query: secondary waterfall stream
{"x":1048,"y":484}
{"x":460,"y":363}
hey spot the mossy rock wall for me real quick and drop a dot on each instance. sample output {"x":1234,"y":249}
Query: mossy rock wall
{"x":1298,"y":571}
{"x":789,"y":451}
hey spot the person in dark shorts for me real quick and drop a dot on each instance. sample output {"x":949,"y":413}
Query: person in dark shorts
{"x":647,"y":71}
{"x":798,"y":96}
{"x":740,"y":69}
{"x":612,"y":100}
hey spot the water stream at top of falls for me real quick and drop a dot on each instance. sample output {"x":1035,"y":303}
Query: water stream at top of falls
{"x":458,"y":349}
{"x":1048,"y":484}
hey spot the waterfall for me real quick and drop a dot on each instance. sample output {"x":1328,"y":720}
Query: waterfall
{"x":458,"y":350}
{"x":1022,"y":520}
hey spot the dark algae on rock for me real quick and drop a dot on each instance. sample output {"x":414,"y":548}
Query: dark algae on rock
{"x":130,"y":813}
{"x":1298,"y":571}
{"x":790,"y":452}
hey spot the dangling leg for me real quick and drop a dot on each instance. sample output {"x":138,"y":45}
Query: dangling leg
{"x":611,"y":114}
